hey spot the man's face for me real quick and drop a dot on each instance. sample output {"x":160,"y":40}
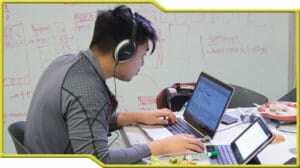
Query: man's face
{"x":125,"y":71}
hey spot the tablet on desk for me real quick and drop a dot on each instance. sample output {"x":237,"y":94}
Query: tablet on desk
{"x":245,"y":146}
{"x":291,"y":161}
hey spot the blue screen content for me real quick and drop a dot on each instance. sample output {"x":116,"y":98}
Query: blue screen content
{"x":208,"y":102}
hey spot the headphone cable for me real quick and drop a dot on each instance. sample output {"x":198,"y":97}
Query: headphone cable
{"x":115,"y":85}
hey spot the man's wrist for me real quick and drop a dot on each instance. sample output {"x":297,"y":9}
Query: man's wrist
{"x":155,"y":147}
{"x":127,"y":118}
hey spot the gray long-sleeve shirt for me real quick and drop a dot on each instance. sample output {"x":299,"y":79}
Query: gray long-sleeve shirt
{"x":69,"y":112}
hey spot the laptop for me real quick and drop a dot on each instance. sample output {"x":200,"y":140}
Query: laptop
{"x":245,"y":147}
{"x":203,"y":113}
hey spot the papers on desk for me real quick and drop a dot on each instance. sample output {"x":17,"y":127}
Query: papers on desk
{"x":281,"y":125}
{"x":286,"y":126}
{"x":237,"y":112}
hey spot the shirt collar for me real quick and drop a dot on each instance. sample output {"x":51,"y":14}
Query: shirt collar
{"x":92,"y":58}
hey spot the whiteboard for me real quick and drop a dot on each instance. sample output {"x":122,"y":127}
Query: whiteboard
{"x":247,"y":49}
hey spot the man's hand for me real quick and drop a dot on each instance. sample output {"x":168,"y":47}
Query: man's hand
{"x":160,"y":116}
{"x":180,"y":143}
{"x":152,"y":117}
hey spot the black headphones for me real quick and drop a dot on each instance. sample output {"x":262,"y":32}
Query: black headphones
{"x":125,"y":49}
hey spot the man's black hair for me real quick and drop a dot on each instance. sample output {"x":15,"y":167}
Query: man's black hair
{"x":113,"y":26}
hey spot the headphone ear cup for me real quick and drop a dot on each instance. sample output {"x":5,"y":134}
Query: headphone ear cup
{"x":124,"y":51}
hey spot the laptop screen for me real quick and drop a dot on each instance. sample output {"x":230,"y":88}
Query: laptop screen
{"x":208,"y":103}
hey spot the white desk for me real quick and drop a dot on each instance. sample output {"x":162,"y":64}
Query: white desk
{"x":272,"y":154}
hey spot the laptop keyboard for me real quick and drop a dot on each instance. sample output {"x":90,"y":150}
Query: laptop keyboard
{"x":225,"y":154}
{"x":181,"y":127}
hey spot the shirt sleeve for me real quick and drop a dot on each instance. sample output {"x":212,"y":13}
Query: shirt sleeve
{"x":88,"y":127}
{"x":113,"y":125}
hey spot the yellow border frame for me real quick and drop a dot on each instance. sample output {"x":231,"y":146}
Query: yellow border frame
{"x":164,"y":9}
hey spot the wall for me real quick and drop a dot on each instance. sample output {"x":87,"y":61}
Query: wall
{"x":246,"y":49}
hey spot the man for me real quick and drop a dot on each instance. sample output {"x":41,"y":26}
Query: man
{"x":73,"y":110}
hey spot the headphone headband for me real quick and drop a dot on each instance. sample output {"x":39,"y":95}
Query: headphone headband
{"x":134,"y":26}
{"x":125,"y":49}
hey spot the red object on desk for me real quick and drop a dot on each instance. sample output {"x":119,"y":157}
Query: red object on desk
{"x":280,"y":110}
